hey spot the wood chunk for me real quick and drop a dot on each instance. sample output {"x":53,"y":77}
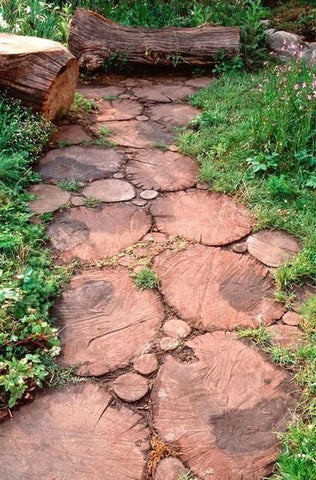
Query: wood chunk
{"x":80,"y":163}
{"x":223,"y":411}
{"x":146,"y":364}
{"x":285,"y":335}
{"x":163,"y":171}
{"x":291,"y":318}
{"x":69,"y":434}
{"x":208,"y":218}
{"x":225,"y":289}
{"x":137,"y":134}
{"x":110,"y":190}
{"x":173,"y":114}
{"x":89,"y":234}
{"x":273,"y":247}
{"x":130,"y":387}
{"x":169,"y":468}
{"x":169,"y":343}
{"x":93,"y":38}
{"x":106,"y":320}
{"x":117,"y":110}
{"x":41,"y":73}
{"x":72,"y":134}
{"x":49,"y":198}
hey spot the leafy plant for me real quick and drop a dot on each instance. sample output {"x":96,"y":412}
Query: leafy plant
{"x":69,"y":186}
{"x":259,"y":335}
{"x":146,"y":279}
{"x":82,"y":104}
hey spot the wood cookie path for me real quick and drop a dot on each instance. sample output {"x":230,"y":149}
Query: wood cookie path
{"x":171,"y":378}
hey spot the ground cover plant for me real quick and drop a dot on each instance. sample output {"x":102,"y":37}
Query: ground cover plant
{"x":28,"y":282}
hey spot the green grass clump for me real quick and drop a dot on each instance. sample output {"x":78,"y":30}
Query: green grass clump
{"x":255,"y":138}
{"x":69,"y":186}
{"x":146,"y":279}
{"x":28,"y":280}
{"x":82,"y":104}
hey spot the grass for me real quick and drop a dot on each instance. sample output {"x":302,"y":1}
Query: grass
{"x":82,"y":104}
{"x":28,"y":280}
{"x":69,"y":186}
{"x":146,"y":279}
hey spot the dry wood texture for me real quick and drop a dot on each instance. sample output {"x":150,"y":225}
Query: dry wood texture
{"x":41,"y":73}
{"x":94,"y":40}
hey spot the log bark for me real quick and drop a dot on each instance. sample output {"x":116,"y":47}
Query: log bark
{"x":94,"y":40}
{"x":41,"y":73}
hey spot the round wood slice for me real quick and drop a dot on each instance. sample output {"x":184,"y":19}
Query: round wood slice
{"x":172,"y":114}
{"x":71,"y":434}
{"x":89,"y":234}
{"x":79,"y":164}
{"x":222,"y":412}
{"x":213,"y":288}
{"x":164,"y":171}
{"x":106,"y":321}
{"x":41,"y":73}
{"x":273,"y":247}
{"x":208,"y":218}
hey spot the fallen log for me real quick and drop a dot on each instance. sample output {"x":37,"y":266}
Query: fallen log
{"x":94,"y":40}
{"x":41,"y":73}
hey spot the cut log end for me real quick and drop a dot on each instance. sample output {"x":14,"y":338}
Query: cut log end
{"x":41,"y":73}
{"x":93,"y":39}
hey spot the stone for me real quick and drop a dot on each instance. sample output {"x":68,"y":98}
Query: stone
{"x":139,"y":202}
{"x":80,"y":164}
{"x":223,"y":411}
{"x":285,"y":335}
{"x":130,"y":387}
{"x":96,"y":93}
{"x":125,"y":96}
{"x":49,"y":198}
{"x":209,"y":218}
{"x":148,"y":194}
{"x":173,"y":148}
{"x":273,"y":247}
{"x":240,"y":248}
{"x":73,"y":134}
{"x":169,"y":468}
{"x":142,"y":118}
{"x":291,"y":318}
{"x":77,"y":201}
{"x":67,"y":434}
{"x":146,"y":364}
{"x":199,"y":82}
{"x":203,"y":186}
{"x":163,"y":171}
{"x":177,"y":328}
{"x":119,"y":175}
{"x":213,"y":288}
{"x":169,"y":343}
{"x":172,"y":114}
{"x":106,"y":320}
{"x":110,"y":190}
{"x":89,"y":234}
{"x":138,"y":134}
{"x":117,"y":110}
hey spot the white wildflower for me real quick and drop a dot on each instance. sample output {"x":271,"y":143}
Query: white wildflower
{"x":3,"y":23}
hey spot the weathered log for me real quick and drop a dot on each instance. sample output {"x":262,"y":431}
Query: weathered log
{"x":94,"y":40}
{"x":41,"y":73}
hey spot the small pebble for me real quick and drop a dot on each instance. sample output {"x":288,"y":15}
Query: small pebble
{"x":202,"y":186}
{"x":118,"y":175}
{"x":177,"y":328}
{"x":173,"y":148}
{"x":169,"y":343}
{"x":125,"y":96}
{"x":77,"y":201}
{"x":240,"y":248}
{"x":139,"y":202}
{"x":142,"y":118}
{"x":149,"y":194}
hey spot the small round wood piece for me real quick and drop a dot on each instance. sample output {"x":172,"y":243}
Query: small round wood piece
{"x":130,"y":387}
{"x":169,"y":343}
{"x":77,"y":201}
{"x":177,"y":328}
{"x":146,"y":364}
{"x":110,"y":190}
{"x":291,"y":318}
{"x":49,"y":198}
{"x":208,"y":218}
{"x":286,"y":335}
{"x":273,"y":247}
{"x":169,"y":468}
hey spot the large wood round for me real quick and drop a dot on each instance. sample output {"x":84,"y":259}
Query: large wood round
{"x":164,"y":171}
{"x":106,"y":321}
{"x":89,"y":234}
{"x":73,"y":434}
{"x":213,"y":288}
{"x":208,"y":218}
{"x":222,"y":411}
